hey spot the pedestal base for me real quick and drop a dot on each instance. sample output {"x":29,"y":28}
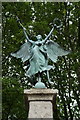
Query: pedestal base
{"x":41,"y":102}
{"x":40,"y":109}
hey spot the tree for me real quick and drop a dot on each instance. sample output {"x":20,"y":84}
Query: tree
{"x":36,"y":17}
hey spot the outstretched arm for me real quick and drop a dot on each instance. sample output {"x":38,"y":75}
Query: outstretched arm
{"x":49,"y":34}
{"x":24,"y":30}
{"x":55,"y":26}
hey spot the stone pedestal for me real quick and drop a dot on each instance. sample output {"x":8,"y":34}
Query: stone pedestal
{"x":41,"y":102}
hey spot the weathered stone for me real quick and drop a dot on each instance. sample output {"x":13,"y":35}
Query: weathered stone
{"x":40,"y":109}
{"x":41,"y":102}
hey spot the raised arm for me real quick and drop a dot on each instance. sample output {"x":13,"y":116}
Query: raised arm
{"x":24,"y":30}
{"x":54,"y":26}
{"x":49,"y":34}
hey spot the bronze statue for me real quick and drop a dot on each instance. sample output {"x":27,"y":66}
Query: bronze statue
{"x":38,"y":53}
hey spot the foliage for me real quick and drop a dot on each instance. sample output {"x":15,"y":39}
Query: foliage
{"x":36,"y":17}
{"x":13,"y":101}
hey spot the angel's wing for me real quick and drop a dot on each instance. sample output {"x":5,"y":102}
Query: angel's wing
{"x":24,"y":53}
{"x":54,"y":50}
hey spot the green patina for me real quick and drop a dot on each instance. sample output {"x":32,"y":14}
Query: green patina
{"x":39,"y":52}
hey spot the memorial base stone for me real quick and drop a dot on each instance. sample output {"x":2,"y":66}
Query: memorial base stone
{"x":41,"y":102}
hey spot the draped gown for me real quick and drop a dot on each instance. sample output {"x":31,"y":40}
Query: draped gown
{"x":37,"y":54}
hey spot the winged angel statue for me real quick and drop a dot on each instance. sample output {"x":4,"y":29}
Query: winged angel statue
{"x":37,"y":53}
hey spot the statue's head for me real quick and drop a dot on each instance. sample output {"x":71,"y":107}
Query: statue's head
{"x":39,"y":37}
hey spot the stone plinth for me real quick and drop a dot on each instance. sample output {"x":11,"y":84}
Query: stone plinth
{"x":41,"y":102}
